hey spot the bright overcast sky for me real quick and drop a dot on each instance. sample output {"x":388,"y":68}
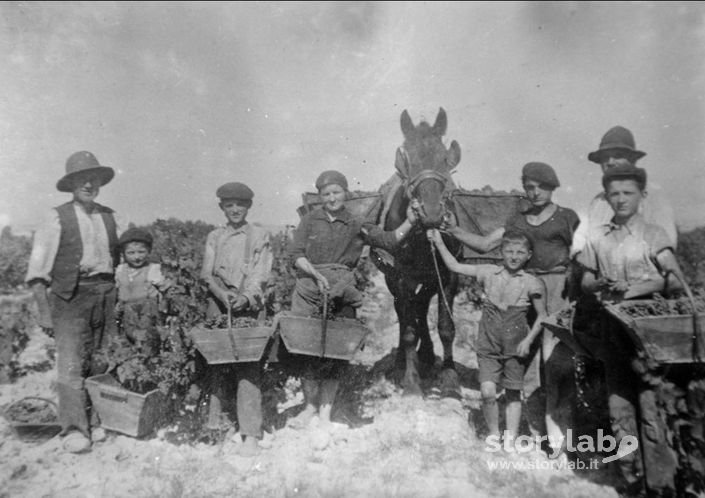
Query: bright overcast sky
{"x":182,"y":97}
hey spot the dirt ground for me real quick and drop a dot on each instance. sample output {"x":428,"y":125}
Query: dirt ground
{"x":412,"y":447}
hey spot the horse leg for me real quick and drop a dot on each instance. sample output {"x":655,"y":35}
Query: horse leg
{"x":427,"y":358}
{"x":395,"y":289}
{"x":411,"y":381}
{"x":450,"y":383}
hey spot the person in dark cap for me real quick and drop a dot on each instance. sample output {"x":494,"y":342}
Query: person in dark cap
{"x":618,"y":148}
{"x":74,"y":253}
{"x":140,"y":287}
{"x":628,"y":258}
{"x":236,"y":266}
{"x":551,"y":228}
{"x":326,"y":248}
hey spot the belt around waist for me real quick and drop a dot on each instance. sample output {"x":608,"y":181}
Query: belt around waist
{"x":558,"y":270}
{"x":94,"y":279}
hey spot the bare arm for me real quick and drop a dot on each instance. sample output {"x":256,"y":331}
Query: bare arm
{"x":590,"y":283}
{"x":539,"y":303}
{"x":673,"y":274}
{"x":39,"y":289}
{"x":305,"y":265}
{"x":480,"y":243}
{"x":435,"y":237}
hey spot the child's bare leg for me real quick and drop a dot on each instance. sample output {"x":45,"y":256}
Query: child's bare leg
{"x":329,"y":388}
{"x":489,"y":407}
{"x":513,"y":412}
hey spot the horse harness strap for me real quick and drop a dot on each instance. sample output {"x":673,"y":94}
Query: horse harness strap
{"x":426,"y":174}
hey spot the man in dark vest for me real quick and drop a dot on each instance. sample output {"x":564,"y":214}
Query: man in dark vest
{"x":74,"y":255}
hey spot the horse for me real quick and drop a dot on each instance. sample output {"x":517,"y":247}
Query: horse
{"x":414,"y":272}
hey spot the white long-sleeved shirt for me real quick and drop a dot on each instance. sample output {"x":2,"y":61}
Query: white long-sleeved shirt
{"x":96,"y":256}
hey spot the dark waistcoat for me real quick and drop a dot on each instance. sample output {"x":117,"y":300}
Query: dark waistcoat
{"x":65,"y":272}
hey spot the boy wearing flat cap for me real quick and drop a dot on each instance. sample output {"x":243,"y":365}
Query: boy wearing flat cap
{"x":236,"y":266}
{"x":628,"y":258}
{"x":551,"y":228}
{"x":75,"y":252}
{"x":618,"y":148}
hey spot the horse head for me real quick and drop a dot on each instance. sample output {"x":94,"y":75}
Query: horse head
{"x":425,"y":165}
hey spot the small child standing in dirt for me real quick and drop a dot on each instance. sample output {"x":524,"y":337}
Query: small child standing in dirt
{"x":140,"y":286}
{"x":504,"y":337}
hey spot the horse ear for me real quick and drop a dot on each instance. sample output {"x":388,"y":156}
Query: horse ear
{"x":401,"y":163}
{"x":441,"y":124}
{"x":453,"y":157}
{"x":407,"y":126}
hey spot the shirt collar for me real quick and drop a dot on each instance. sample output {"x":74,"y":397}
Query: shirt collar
{"x":519,"y":273}
{"x":239,"y":229}
{"x":632,"y":226}
{"x":343,"y":215}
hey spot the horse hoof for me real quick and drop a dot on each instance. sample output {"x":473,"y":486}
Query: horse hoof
{"x":450,"y":384}
{"x":412,"y":391}
{"x":449,"y":394}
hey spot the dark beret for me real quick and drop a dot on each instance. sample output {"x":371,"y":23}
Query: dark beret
{"x":235,"y":190}
{"x":540,"y":172}
{"x":625,"y":172}
{"x":330,"y":177}
{"x":136,"y":235}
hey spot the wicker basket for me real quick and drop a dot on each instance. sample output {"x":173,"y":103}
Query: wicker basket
{"x":33,"y":432}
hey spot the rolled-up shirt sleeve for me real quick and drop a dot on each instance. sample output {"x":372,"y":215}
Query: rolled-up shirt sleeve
{"x":587,"y":258}
{"x":44,"y":249}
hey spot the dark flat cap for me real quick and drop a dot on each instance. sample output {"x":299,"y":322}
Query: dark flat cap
{"x":136,"y":235}
{"x":540,"y":172}
{"x":235,"y":190}
{"x":331,"y":177}
{"x":625,"y":172}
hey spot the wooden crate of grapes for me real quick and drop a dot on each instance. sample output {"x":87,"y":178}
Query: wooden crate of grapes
{"x":244,"y":340}
{"x":324,"y":336}
{"x":667,"y":330}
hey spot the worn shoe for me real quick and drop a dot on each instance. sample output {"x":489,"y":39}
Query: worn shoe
{"x":350,"y":419}
{"x":76,"y":442}
{"x":98,"y":435}
{"x":302,"y":420}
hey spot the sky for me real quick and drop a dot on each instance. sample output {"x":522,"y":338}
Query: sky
{"x":181,"y":97}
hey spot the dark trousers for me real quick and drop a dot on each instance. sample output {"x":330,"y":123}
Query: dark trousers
{"x":633,"y":411}
{"x":82,"y":325}
{"x":239,"y":381}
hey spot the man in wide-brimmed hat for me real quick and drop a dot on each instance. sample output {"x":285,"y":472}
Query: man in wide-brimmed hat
{"x":74,"y":253}
{"x":618,"y":148}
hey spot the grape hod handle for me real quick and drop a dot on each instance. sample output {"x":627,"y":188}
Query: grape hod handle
{"x":324,"y":324}
{"x":230,"y":329}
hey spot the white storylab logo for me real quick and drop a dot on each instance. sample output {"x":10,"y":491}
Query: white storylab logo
{"x":604,"y":443}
